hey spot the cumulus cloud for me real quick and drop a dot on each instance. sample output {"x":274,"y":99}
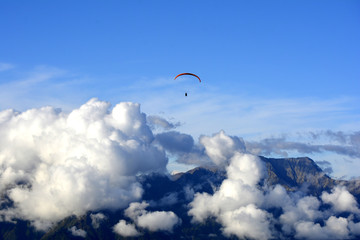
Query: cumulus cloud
{"x":183,"y":148}
{"x":214,"y":150}
{"x":276,"y":196}
{"x":153,"y":221}
{"x":77,"y":232}
{"x":158,"y":221}
{"x":341,"y":200}
{"x":334,"y":228}
{"x":236,"y":203}
{"x":307,"y":217}
{"x":249,"y":221}
{"x":244,"y":206}
{"x":299,"y":210}
{"x":220,"y":147}
{"x":56,"y":164}
{"x":126,"y":229}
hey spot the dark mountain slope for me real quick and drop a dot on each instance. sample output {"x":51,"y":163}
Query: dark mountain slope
{"x":293,"y":173}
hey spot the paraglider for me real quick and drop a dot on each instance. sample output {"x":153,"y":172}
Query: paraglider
{"x":191,"y":74}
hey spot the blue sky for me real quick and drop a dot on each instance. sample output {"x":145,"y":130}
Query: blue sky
{"x":269,"y":68}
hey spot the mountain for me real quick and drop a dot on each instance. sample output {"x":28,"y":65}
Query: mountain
{"x":293,"y":173}
{"x":175,"y":192}
{"x":296,"y":173}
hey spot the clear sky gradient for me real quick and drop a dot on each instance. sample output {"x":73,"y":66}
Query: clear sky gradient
{"x":268,"y":68}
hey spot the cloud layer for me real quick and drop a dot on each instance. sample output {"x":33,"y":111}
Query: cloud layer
{"x":347,"y":144}
{"x":55,"y":164}
{"x":244,"y":205}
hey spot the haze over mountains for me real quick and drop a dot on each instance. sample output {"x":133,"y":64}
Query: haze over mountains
{"x":100,"y":173}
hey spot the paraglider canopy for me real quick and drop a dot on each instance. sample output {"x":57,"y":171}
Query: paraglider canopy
{"x":191,"y":74}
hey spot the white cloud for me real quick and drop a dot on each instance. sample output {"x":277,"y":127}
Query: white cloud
{"x":244,"y":207}
{"x":56,"y":164}
{"x":136,"y":209}
{"x":335,"y":228}
{"x":153,"y":221}
{"x":96,"y":219}
{"x":341,"y":200}
{"x":299,"y":210}
{"x":158,"y":221}
{"x":247,"y":168}
{"x":247,"y":222}
{"x":276,"y":196}
{"x":309,"y":230}
{"x":126,"y":229}
{"x":77,"y":232}
{"x":302,"y":215}
{"x":76,"y":162}
{"x":206,"y":110}
{"x":236,"y":203}
{"x":220,"y":147}
{"x":338,"y":227}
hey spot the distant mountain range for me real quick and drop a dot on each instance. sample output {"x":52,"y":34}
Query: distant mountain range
{"x":175,"y":192}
